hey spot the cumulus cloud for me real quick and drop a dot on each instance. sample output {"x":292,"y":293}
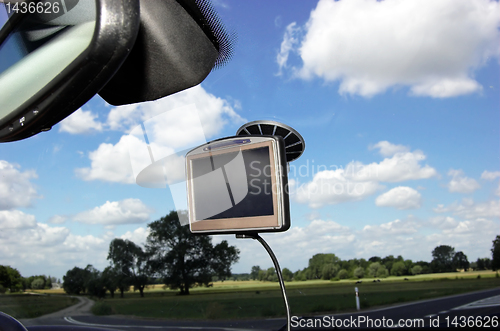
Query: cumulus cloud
{"x":443,"y":222}
{"x":137,"y":236}
{"x":28,"y":245}
{"x":396,"y":227}
{"x":81,"y":121}
{"x":16,"y":189}
{"x":15,"y":219}
{"x":490,"y":175}
{"x":330,"y":187}
{"x":214,"y":112}
{"x":401,"y":197}
{"x":387,"y":149}
{"x":461,"y":184}
{"x":358,"y":181}
{"x":469,"y":209}
{"x":400,"y":167}
{"x":370,"y":46}
{"x":110,"y":162}
{"x":128,"y":211}
{"x":172,"y":124}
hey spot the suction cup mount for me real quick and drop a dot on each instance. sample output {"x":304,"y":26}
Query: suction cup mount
{"x":294,"y":143}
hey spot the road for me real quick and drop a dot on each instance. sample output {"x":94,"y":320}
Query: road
{"x":440,"y":312}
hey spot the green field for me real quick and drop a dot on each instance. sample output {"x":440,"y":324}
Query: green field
{"x":251,"y":299}
{"x":31,"y":306}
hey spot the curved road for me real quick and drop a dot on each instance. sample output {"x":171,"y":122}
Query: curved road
{"x":80,"y":309}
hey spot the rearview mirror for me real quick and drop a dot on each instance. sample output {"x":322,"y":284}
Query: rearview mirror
{"x":56,"y":55}
{"x":53,"y":62}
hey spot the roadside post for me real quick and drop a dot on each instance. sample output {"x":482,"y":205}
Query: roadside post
{"x":357,"y":298}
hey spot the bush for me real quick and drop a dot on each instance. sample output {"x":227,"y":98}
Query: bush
{"x":342,"y":274}
{"x":101,"y":308}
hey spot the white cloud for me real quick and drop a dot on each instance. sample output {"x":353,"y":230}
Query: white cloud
{"x":110,"y":163}
{"x":433,"y":47}
{"x":461,"y":184}
{"x":400,"y":167}
{"x":214,"y":113}
{"x":16,"y":189}
{"x":137,"y":236}
{"x":177,"y":122}
{"x":490,"y":175}
{"x":128,"y":211}
{"x":387,"y":149}
{"x":330,"y":187}
{"x":401,"y":197}
{"x":468,"y":209}
{"x":57,"y":219}
{"x":358,"y":181}
{"x":37,"y":248}
{"x":443,"y":222}
{"x":81,"y":121}
{"x":15,"y":219}
{"x":396,"y":227}
{"x":290,"y":40}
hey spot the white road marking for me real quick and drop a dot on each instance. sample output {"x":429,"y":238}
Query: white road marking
{"x":488,"y":302}
{"x":73,"y":321}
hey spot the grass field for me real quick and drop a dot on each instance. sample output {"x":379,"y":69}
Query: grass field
{"x":31,"y":306}
{"x":250,"y":299}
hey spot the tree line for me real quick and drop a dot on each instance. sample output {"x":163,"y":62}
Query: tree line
{"x":11,"y":280}
{"x":331,"y":267}
{"x":172,"y":256}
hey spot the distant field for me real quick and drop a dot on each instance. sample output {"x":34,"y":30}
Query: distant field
{"x":31,"y":306}
{"x":253,"y":299}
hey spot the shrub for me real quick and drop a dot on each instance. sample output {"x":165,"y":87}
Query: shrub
{"x":101,"y":308}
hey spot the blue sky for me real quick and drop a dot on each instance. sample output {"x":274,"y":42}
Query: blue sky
{"x":398,"y":99}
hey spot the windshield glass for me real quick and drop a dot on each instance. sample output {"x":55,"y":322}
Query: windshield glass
{"x":397,"y":102}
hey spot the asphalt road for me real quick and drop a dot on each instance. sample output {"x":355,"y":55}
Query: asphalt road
{"x":470,"y":309}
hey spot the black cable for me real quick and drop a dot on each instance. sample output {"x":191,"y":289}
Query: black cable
{"x":278,"y":271}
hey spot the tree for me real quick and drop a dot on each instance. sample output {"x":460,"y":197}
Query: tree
{"x":329,"y":271}
{"x":359,"y":272}
{"x":377,"y":270}
{"x":37,"y":284}
{"x":495,"y":254}
{"x":460,"y":261}
{"x":254,"y":274}
{"x":94,"y":282}
{"x":132,"y":261}
{"x":398,"y":269}
{"x":416,"y":270}
{"x":111,"y":279}
{"x":10,"y":278}
{"x":271,"y":275}
{"x":74,"y":281}
{"x":222,"y":258}
{"x":318,"y":261}
{"x":343,"y":274}
{"x":183,"y":259}
{"x":287,"y":274}
{"x":443,"y":258}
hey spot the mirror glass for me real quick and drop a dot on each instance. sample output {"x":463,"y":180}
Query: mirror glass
{"x":40,"y":46}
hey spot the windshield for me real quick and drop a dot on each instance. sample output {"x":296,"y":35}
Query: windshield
{"x":398,"y":104}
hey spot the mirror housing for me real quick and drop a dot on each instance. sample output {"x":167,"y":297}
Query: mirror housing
{"x":115,"y":31}
{"x":179,"y":43}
